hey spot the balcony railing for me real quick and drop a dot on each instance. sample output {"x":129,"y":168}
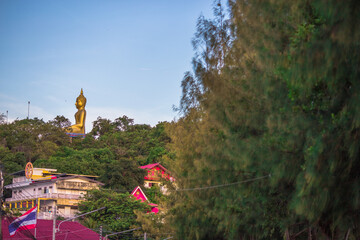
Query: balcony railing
{"x":45,"y":195}
{"x":19,"y":179}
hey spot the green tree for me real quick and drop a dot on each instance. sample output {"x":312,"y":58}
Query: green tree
{"x":122,"y":175}
{"x":11,"y":162}
{"x":34,"y":137}
{"x":86,"y":161}
{"x":119,"y":213}
{"x":123,"y":123}
{"x":282,"y":100}
{"x":3,"y":118}
{"x":101,"y":126}
{"x":60,"y":122}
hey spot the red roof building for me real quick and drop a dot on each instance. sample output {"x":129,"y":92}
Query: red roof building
{"x":155,"y":174}
{"x":140,"y":195}
{"x":68,"y":231}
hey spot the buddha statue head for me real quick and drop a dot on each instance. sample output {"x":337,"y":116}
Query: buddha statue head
{"x":80,"y":101}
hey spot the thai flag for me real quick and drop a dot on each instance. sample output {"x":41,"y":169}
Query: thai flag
{"x":24,"y":222}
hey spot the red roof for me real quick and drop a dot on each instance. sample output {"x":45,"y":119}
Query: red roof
{"x":68,"y":231}
{"x":157,"y":171}
{"x":139,"y":194}
{"x":151,"y":166}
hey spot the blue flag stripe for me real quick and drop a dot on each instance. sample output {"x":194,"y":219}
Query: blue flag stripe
{"x":29,"y":218}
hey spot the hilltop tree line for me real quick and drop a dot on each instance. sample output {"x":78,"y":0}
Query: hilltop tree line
{"x":113,"y":150}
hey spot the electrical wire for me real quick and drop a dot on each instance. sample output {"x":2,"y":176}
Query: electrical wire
{"x":222,"y":185}
{"x":189,"y":189}
{"x":176,"y":190}
{"x":205,"y":187}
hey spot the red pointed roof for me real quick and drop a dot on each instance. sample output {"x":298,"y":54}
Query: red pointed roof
{"x":139,"y":194}
{"x":151,"y":166}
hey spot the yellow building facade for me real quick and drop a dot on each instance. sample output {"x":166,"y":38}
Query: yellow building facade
{"x":49,"y":189}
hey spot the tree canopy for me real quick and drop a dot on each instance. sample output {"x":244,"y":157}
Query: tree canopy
{"x":119,"y":212}
{"x":274,"y":92}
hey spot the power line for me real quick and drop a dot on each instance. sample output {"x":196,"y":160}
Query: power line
{"x":222,"y":185}
{"x":178,"y":190}
{"x":69,"y":219}
{"x":203,"y":188}
{"x":188,"y":189}
{"x":130,"y":230}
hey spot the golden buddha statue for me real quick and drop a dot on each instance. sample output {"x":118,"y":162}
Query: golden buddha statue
{"x":80,"y":116}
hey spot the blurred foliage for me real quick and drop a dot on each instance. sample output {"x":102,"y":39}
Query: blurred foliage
{"x":119,"y":214}
{"x":274,"y":90}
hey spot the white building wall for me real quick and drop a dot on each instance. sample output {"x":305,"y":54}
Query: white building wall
{"x":49,"y":195}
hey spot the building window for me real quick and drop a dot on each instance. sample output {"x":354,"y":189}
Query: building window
{"x":45,"y":190}
{"x":39,"y":188}
{"x":15,"y":192}
{"x":34,"y":189}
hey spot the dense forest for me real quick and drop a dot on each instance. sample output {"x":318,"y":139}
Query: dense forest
{"x":267,"y":145}
{"x":113,"y":150}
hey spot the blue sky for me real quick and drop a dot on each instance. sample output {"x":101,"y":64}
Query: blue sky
{"x":128,"y":56}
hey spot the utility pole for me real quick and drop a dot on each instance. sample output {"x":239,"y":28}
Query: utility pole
{"x":28,"y":109}
{"x":100,"y":232}
{"x":7,"y":116}
{"x":54,"y":222}
{"x":69,"y":219}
